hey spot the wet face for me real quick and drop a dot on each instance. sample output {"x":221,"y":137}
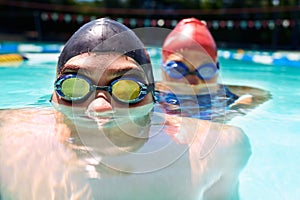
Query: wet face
{"x":192,"y":59}
{"x":101,"y":70}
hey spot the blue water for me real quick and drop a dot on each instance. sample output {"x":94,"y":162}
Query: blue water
{"x":273,"y":127}
{"x":28,"y":84}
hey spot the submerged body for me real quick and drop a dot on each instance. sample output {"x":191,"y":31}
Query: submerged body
{"x":208,"y":103}
{"x":49,"y":160}
{"x":213,"y":102}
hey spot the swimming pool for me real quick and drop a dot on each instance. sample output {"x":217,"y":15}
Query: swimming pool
{"x":273,"y":127}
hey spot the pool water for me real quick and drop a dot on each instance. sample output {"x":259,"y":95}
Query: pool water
{"x":30,"y":83}
{"x":273,"y":127}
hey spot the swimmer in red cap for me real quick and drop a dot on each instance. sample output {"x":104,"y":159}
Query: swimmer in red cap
{"x":103,"y":140}
{"x":190,"y":67}
{"x":189,"y":54}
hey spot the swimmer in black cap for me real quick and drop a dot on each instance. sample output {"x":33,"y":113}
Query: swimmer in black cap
{"x":104,"y":141}
{"x":99,"y":59}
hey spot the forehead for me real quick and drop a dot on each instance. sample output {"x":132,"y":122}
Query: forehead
{"x":191,"y":56}
{"x":100,"y":62}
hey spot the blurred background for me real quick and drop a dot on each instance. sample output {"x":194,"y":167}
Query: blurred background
{"x":247,"y":24}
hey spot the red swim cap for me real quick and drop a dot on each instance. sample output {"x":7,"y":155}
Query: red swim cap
{"x":189,"y":33}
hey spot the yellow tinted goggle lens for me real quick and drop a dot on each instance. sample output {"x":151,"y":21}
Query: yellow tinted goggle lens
{"x":126,"y":90}
{"x":75,"y":87}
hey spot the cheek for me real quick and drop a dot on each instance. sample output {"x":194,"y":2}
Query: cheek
{"x":167,"y":78}
{"x":57,"y":99}
{"x":164,"y":76}
{"x":213,"y":80}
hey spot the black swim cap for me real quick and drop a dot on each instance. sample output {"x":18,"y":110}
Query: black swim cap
{"x":107,"y":35}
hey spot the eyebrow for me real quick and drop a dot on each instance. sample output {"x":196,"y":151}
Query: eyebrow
{"x":121,"y":72}
{"x":69,"y":67}
{"x":110,"y":70}
{"x":130,"y":72}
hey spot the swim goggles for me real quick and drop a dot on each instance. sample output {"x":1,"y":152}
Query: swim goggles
{"x":177,"y":70}
{"x":77,"y":88}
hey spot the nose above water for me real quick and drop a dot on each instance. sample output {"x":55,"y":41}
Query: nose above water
{"x":100,"y":104}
